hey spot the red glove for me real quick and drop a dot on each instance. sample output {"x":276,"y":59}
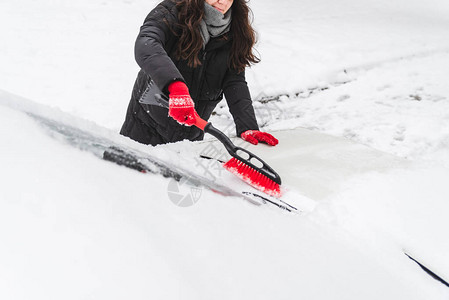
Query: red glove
{"x":256,"y":136}
{"x":181,"y":106}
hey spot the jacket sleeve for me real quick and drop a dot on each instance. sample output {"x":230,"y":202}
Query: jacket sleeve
{"x":239,"y":101}
{"x":151,"y":44}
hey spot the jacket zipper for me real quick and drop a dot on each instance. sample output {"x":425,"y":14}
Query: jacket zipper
{"x":201,"y":74}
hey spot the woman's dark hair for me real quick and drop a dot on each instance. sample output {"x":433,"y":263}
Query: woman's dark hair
{"x":190,"y":14}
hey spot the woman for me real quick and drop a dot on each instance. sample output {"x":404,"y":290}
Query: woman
{"x":194,"y":51}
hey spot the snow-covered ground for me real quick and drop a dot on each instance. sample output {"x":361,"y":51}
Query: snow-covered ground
{"x":75,"y":227}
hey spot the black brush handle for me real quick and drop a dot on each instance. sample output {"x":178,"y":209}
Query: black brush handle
{"x":230,"y":147}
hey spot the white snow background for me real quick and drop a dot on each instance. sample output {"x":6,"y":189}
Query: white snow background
{"x":75,"y":227}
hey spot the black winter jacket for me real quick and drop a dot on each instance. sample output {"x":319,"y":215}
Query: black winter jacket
{"x":155,"y":54}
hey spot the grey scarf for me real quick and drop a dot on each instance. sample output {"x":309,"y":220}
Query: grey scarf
{"x":214,"y":23}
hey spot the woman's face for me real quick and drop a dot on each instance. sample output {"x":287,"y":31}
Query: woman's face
{"x":220,"y":5}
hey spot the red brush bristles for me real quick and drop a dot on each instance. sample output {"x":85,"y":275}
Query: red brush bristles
{"x":253,"y":177}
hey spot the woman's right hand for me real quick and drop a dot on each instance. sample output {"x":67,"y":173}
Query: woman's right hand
{"x":181,"y":106}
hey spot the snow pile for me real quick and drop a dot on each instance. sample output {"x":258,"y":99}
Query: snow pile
{"x":399,"y":107}
{"x":92,"y":229}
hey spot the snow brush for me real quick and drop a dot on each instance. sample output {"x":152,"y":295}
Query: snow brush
{"x":244,"y":164}
{"x":251,"y":169}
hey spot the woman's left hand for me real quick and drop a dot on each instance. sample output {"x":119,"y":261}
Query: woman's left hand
{"x":256,"y":136}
